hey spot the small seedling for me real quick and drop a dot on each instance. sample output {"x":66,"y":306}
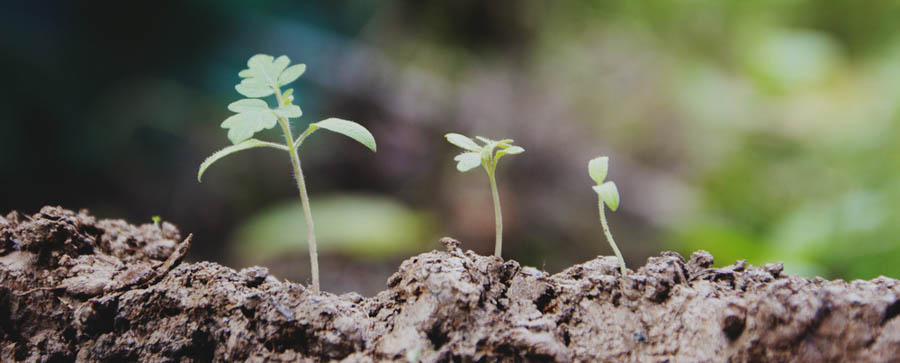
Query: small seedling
{"x":156,"y":220}
{"x":608,"y":194}
{"x":485,"y":156}
{"x":264,"y":77}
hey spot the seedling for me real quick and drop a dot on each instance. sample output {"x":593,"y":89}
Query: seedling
{"x":264,"y":77}
{"x":156,"y":220}
{"x":485,"y":156}
{"x":607,"y":194}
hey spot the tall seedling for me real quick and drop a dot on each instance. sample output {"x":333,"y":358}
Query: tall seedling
{"x":264,"y":77}
{"x":485,"y":156}
{"x":607,"y":194}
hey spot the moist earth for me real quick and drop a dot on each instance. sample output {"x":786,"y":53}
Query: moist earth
{"x":74,"y":288}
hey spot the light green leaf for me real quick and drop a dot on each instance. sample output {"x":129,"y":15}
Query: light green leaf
{"x":292,"y":111}
{"x":462,"y":142}
{"x":485,"y":140}
{"x":467,"y":161}
{"x":253,"y":116}
{"x":262,"y":75}
{"x":597,"y":168}
{"x":248,"y":105}
{"x":609,"y":194}
{"x":252,"y":87}
{"x":291,"y":74}
{"x":512,"y":150}
{"x":247,"y":144}
{"x":350,"y":129}
{"x":279,"y":65}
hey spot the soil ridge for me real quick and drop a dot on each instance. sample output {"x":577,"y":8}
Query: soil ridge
{"x":74,"y":288}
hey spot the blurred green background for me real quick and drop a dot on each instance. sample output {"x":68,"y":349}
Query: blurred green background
{"x":765,"y":130}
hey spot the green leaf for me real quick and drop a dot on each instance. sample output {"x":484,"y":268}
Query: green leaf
{"x":291,"y":74}
{"x":609,"y":194}
{"x":248,"y":144}
{"x":485,"y":140}
{"x":248,"y":105}
{"x":292,"y":111}
{"x":462,"y":142}
{"x":262,"y":76}
{"x":350,"y":129}
{"x":287,"y":97}
{"x":467,"y":161}
{"x":597,"y":168}
{"x":252,"y":87}
{"x":512,"y":150}
{"x":252,"y":116}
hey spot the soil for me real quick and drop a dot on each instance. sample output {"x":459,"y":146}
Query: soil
{"x":73,"y":288}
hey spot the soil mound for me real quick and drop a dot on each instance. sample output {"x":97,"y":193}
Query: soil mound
{"x":75,"y":288}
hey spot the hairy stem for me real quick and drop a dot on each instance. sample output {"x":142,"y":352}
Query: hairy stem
{"x":498,"y":216}
{"x":304,"y":198}
{"x":609,"y":237}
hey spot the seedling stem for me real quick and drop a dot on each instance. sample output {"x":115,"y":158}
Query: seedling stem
{"x":498,"y":215}
{"x":609,"y":236}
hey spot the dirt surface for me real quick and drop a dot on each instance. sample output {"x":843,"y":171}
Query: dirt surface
{"x":75,"y":288}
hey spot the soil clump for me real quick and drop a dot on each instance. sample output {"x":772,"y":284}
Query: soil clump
{"x":74,"y":288}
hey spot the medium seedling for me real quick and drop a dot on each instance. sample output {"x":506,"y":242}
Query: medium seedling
{"x":264,"y":77}
{"x":607,"y":194}
{"x":485,"y":156}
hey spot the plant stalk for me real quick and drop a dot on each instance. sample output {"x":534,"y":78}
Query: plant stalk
{"x":498,"y":215}
{"x":304,"y":200}
{"x":609,"y":237}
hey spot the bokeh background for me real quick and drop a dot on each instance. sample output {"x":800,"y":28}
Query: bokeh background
{"x":758,"y":130}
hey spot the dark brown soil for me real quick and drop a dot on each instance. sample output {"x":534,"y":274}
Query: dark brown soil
{"x":74,"y":288}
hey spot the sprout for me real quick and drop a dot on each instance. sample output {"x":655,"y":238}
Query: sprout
{"x":608,"y":194}
{"x":485,"y":156}
{"x":264,"y":77}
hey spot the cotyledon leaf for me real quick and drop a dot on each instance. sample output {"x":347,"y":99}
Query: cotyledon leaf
{"x":350,"y":129}
{"x":463,"y":142}
{"x":468,"y":160}
{"x":609,"y":194}
{"x":248,"y":144}
{"x":597,"y":168}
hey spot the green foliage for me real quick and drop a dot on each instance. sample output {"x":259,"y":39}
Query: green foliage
{"x":228,"y":150}
{"x":264,"y":77}
{"x":156,"y":220}
{"x":350,"y":129}
{"x":608,"y":194}
{"x":486,"y":156}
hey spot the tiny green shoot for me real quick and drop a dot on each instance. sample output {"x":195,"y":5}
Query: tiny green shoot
{"x":607,"y":194}
{"x":156,"y":220}
{"x":485,"y":156}
{"x":264,"y":77}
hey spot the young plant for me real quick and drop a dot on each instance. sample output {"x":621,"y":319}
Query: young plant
{"x":485,"y":156}
{"x":608,"y":194}
{"x":264,"y":77}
